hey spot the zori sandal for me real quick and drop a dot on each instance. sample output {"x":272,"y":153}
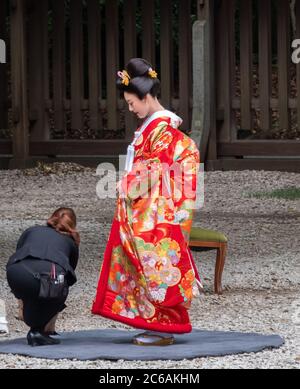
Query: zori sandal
{"x":152,"y":339}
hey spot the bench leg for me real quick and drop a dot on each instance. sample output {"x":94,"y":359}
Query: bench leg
{"x":220,"y":261}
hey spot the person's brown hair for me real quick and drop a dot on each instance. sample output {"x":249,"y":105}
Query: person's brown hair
{"x":64,"y":221}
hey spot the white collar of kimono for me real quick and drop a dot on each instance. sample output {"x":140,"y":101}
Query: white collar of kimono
{"x":175,"y":123}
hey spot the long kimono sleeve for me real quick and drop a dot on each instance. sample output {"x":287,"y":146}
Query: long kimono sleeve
{"x":152,"y":166}
{"x":165,"y":173}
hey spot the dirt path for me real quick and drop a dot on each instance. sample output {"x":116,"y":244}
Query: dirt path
{"x":261,"y":277}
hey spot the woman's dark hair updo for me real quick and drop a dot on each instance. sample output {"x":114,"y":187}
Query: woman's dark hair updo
{"x":140,"y":82}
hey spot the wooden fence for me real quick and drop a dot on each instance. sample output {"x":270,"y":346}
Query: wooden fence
{"x":257,"y":114}
{"x":74,"y":49}
{"x":58,"y":94}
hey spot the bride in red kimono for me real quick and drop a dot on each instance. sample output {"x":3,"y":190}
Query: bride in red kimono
{"x":148,"y":277}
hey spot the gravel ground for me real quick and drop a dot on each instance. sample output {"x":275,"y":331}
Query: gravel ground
{"x":261,"y":277}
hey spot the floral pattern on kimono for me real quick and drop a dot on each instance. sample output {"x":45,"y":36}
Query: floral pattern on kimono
{"x":148,"y":276}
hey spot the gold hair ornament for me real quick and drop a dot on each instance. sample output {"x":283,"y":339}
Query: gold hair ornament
{"x":152,"y":73}
{"x":124,"y":77}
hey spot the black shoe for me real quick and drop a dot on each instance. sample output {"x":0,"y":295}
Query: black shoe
{"x":35,"y":338}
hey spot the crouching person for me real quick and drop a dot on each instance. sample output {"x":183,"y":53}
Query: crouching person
{"x":44,"y":253}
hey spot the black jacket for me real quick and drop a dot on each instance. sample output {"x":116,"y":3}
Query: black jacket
{"x":45,"y":243}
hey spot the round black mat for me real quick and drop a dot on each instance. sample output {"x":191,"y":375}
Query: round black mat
{"x":117,"y":344}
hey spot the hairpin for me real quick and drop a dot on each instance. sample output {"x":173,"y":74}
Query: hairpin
{"x":125,"y":77}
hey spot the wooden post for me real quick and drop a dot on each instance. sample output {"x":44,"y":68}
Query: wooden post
{"x":200,"y":117}
{"x":185,"y":63}
{"x":246,"y":64}
{"x":204,"y":111}
{"x":265,"y":63}
{"x":112,"y":61}
{"x":166,"y":53}
{"x":94,"y":50}
{"x":130,"y":49}
{"x":148,"y":16}
{"x":19,"y":85}
{"x":298,"y":65}
{"x":3,"y":69}
{"x":225,"y":69}
{"x":76,"y":64}
{"x":284,"y":44}
{"x":38,"y":69}
{"x":59,"y":75}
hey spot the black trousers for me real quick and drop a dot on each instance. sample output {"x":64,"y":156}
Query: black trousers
{"x":37,"y":313}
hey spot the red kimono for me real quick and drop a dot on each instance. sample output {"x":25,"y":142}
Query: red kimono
{"x":148,"y":277}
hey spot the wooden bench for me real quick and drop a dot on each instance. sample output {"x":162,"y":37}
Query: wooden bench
{"x":203,"y":240}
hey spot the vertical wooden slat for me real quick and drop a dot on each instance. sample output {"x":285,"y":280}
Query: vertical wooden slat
{"x":76,"y":63}
{"x":166,"y":52}
{"x":225,"y":63}
{"x":212,"y":145}
{"x":130,"y":40}
{"x":185,"y":54}
{"x":3,"y":68}
{"x":59,"y":76}
{"x":298,"y":65}
{"x":94,"y":50}
{"x":204,"y":96}
{"x":246,"y":63}
{"x":45,"y":54}
{"x":19,"y":85}
{"x":38,"y":69}
{"x":148,"y":15}
{"x":130,"y":50}
{"x":112,"y":61}
{"x":283,"y":62}
{"x":231,"y":8}
{"x":265,"y":64}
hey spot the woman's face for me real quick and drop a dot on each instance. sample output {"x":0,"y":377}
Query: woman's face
{"x":139,"y":107}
